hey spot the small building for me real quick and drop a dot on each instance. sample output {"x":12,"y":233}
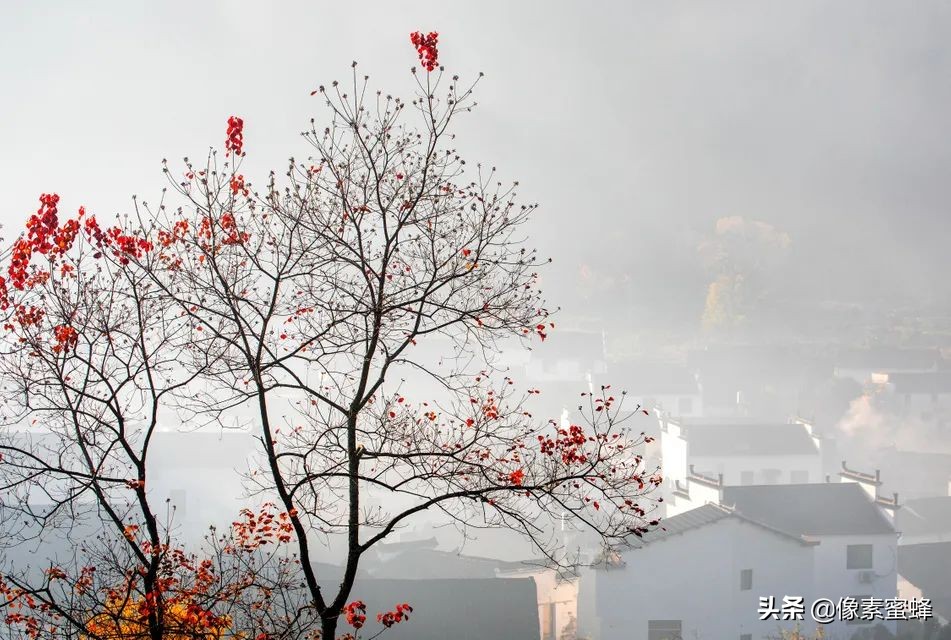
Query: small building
{"x":699,"y":575}
{"x":744,"y":453}
{"x":855,"y":540}
{"x":668,"y":388}
{"x":858,"y":544}
{"x":461,"y":609}
{"x":555,"y":594}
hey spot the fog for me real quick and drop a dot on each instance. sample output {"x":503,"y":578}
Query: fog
{"x":745,"y":207}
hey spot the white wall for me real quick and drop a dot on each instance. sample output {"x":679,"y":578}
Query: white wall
{"x":732,"y":468}
{"x":695,"y":577}
{"x":834,"y":580}
{"x":673,"y":451}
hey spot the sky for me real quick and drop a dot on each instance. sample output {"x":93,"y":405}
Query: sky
{"x":635,"y":125}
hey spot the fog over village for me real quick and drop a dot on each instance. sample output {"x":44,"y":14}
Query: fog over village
{"x":644,"y":334}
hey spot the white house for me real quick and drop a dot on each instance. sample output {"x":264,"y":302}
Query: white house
{"x":700,"y":576}
{"x":742,"y":453}
{"x":667,"y":388}
{"x":855,"y":550}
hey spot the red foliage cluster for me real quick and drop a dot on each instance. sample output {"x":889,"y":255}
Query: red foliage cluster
{"x":19,"y":262}
{"x":126,"y":246}
{"x":28,"y":316}
{"x":91,"y":227}
{"x":265,"y":527}
{"x":568,"y":444}
{"x":17,"y":601}
{"x":356,"y":613}
{"x":66,"y":338}
{"x":235,"y":142}
{"x":43,"y":236}
{"x":41,"y":226}
{"x":426,"y":48}
{"x":230,"y":227}
{"x":238,"y":185}
{"x":396,"y":616}
{"x":179,"y":229}
{"x":540,"y":329}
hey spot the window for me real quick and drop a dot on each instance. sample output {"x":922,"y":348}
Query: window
{"x":799,"y":477}
{"x":663,"y":630}
{"x":771,"y":476}
{"x":858,"y":556}
{"x":746,"y":579}
{"x":746,"y":636}
{"x":747,"y":477}
{"x":685,"y":405}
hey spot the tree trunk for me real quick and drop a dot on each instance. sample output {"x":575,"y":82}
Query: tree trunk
{"x":328,"y":628}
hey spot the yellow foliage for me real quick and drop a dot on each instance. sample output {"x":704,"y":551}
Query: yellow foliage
{"x":181,"y":622}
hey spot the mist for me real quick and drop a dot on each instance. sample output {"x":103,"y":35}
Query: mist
{"x":744,"y":204}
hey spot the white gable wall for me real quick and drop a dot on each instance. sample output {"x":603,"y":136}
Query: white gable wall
{"x":695,"y":577}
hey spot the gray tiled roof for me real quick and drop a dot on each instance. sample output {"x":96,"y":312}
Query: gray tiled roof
{"x":701,"y":516}
{"x":750,"y":439}
{"x":811,"y":509}
{"x":924,"y":516}
{"x":929,"y":382}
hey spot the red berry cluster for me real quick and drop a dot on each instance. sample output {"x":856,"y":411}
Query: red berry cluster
{"x":426,"y":48}
{"x":356,"y":613}
{"x":390,"y":618}
{"x":235,"y":141}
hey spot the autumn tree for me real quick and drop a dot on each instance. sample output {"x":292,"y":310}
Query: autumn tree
{"x":742,"y":256}
{"x":89,"y":369}
{"x":309,"y":296}
{"x":309,"y":301}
